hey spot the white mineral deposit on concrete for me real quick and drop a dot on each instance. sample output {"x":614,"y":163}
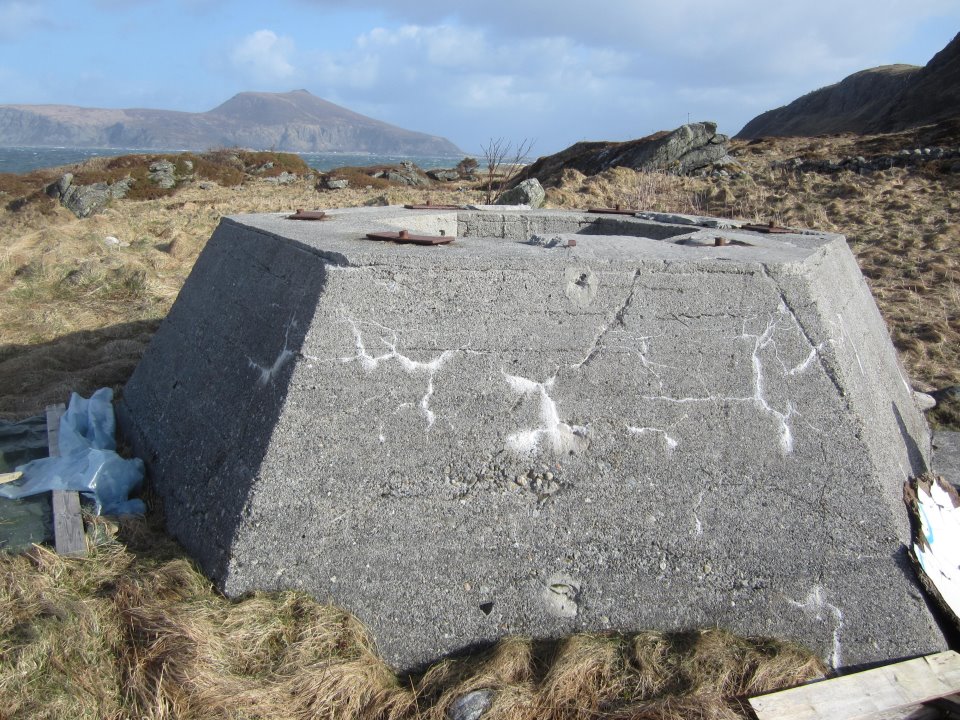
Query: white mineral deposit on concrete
{"x":370,"y":363}
{"x":669,"y":443}
{"x":557,"y":435}
{"x":268,"y":373}
{"x":815,"y":604}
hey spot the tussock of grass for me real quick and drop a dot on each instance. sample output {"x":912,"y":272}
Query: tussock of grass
{"x":135,"y":631}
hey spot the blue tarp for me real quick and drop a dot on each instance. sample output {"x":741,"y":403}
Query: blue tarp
{"x":88,"y":460}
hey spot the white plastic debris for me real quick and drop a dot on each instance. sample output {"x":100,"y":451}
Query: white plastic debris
{"x":937,"y":549}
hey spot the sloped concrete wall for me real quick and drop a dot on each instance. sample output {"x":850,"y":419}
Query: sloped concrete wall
{"x":491,"y":437}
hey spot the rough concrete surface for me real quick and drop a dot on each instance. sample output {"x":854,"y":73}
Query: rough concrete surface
{"x":490,"y":437}
{"x":946,"y":455}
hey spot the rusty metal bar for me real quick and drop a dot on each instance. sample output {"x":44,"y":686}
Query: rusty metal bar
{"x":405,"y":237}
{"x":301,"y":214}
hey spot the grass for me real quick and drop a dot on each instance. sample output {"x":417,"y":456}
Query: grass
{"x":135,"y":631}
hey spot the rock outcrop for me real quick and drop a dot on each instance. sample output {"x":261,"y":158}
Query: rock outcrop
{"x":86,"y":200}
{"x":685,"y":150}
{"x":294,"y":122}
{"x":880,"y":100}
{"x":529,"y":192}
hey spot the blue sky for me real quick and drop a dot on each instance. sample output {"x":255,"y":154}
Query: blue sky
{"x":555,"y":71}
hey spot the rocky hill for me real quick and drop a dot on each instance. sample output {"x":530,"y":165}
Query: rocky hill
{"x":294,"y":122}
{"x":880,"y":100}
{"x":685,"y":150}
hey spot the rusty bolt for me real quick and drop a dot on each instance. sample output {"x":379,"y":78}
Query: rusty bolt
{"x":404,"y":234}
{"x":720,"y":241}
{"x":571,"y":243}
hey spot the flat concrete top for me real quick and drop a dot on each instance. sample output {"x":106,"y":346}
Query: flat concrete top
{"x":481,"y":235}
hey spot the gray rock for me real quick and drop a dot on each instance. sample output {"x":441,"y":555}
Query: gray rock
{"x":337,"y":184}
{"x":411,"y":177}
{"x":60,"y":187}
{"x":86,"y":200}
{"x":471,"y":706}
{"x":120,"y":188}
{"x":188,"y":165}
{"x":284,"y":178}
{"x":163,"y":173}
{"x":206,"y":185}
{"x":442,"y":175}
{"x":529,"y":192}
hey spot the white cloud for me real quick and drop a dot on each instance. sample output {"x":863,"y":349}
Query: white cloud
{"x":264,"y":57}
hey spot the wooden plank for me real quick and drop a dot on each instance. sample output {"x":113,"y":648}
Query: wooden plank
{"x":67,"y":521}
{"x":869,"y":695}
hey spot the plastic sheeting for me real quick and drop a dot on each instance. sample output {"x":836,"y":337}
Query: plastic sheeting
{"x":88,"y":461}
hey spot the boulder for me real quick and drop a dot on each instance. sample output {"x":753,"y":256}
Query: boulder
{"x":529,"y":192}
{"x":337,"y":184}
{"x":442,"y":175}
{"x":284,"y":178}
{"x":163,"y":173}
{"x":60,"y":187}
{"x":682,"y":151}
{"x":86,"y":200}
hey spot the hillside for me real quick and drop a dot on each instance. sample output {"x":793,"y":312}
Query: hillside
{"x":879,"y":100}
{"x":294,"y":122}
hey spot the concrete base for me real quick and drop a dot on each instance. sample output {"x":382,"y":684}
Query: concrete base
{"x":494,"y":436}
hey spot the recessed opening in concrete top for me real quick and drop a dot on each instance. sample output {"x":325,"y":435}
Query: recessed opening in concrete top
{"x":523,"y":226}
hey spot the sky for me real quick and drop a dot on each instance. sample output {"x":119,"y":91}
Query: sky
{"x":552,"y":72}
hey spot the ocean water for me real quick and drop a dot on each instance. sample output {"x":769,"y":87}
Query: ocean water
{"x":25,"y":159}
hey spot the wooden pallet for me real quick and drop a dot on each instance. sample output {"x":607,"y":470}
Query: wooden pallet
{"x":68,"y":533}
{"x":925,"y":688}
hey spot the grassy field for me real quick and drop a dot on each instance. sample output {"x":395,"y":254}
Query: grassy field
{"x":135,"y":631}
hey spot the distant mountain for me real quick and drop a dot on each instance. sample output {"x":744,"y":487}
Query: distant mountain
{"x":295,"y":121}
{"x":883,"y":99}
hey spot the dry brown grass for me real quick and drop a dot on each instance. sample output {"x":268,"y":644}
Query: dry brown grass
{"x":135,"y":631}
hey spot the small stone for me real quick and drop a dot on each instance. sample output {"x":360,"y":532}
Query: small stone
{"x":548,"y":476}
{"x":471,"y":706}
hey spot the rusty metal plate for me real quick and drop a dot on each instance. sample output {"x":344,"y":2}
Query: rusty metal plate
{"x":716,"y":242}
{"x":617,"y":210}
{"x":430,"y":206}
{"x":770,"y":228}
{"x":308,"y":215}
{"x":405,"y":237}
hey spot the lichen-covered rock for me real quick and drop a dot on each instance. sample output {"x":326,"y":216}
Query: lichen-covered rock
{"x":163,"y":173}
{"x":337,"y":184}
{"x":682,"y":151}
{"x":442,"y":175}
{"x":86,"y":200}
{"x":60,"y":187}
{"x":529,"y":192}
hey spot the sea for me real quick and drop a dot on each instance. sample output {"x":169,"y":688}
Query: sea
{"x":24,"y":159}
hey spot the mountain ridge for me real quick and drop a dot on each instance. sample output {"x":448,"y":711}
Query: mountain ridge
{"x":295,"y":121}
{"x":883,"y":99}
